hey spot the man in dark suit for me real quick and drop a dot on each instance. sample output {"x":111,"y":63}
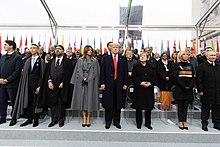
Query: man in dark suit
{"x":56,"y":90}
{"x":69,"y":55}
{"x":109,"y":47}
{"x":29,"y":86}
{"x":201,"y":57}
{"x":10,"y":72}
{"x":41,"y":52}
{"x":114,"y":77}
{"x":208,"y":85}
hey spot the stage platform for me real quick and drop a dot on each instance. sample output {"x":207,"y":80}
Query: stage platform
{"x":165,"y":132}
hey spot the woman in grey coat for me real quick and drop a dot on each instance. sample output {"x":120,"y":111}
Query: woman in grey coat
{"x":86,"y":85}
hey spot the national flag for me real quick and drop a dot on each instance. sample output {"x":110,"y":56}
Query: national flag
{"x":204,"y":44}
{"x":0,"y":42}
{"x":194,"y":47}
{"x":20,"y":45}
{"x":217,"y":45}
{"x":32,"y":39}
{"x":179,"y":46}
{"x":57,"y":41}
{"x":25,"y":43}
{"x":100,"y":50}
{"x":62,"y":41}
{"x":136,"y":42}
{"x":50,"y":44}
{"x":39,"y":41}
{"x":94,"y":43}
{"x":174,"y":45}
{"x":148,"y":42}
{"x":105,"y":50}
{"x":87,"y":40}
{"x":213,"y":46}
{"x":81,"y":51}
{"x":161,"y":49}
{"x":75,"y":45}
{"x":200,"y":44}
{"x":168,"y":49}
{"x":142,"y":45}
{"x":14,"y":38}
{"x":69,"y":45}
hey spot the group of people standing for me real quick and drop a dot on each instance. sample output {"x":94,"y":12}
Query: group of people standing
{"x":65,"y":80}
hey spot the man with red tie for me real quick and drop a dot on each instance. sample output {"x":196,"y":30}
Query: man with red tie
{"x":113,"y":81}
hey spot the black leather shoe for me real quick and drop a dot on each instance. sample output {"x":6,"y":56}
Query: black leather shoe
{"x":181,"y":128}
{"x":36,"y":123}
{"x":185,"y":128}
{"x":217,"y":128}
{"x":88,"y":125}
{"x":12,"y":122}
{"x":148,"y":126}
{"x":139,"y":126}
{"x":52,"y":124}
{"x":28,"y":122}
{"x":61,"y":124}
{"x":107,"y":126}
{"x":117,"y":126}
{"x":204,"y":128}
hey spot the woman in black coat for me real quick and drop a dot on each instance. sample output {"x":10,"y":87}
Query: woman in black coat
{"x":184,"y":83}
{"x":165,"y":73}
{"x":144,"y":77}
{"x":165,"y":79}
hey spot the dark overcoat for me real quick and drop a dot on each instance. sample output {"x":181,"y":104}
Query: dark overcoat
{"x":143,"y":96}
{"x":182,"y":81}
{"x":21,"y":102}
{"x":107,"y":78}
{"x":162,"y":74}
{"x":47,"y":97}
{"x":208,"y":82}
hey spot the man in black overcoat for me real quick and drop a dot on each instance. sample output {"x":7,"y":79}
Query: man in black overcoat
{"x":10,"y":73}
{"x":56,"y":91}
{"x":114,"y":76}
{"x":28,"y":89}
{"x":208,"y":85}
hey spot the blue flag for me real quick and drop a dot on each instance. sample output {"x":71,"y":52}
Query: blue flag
{"x":142,"y":46}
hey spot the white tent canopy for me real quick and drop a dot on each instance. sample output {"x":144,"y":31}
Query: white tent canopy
{"x":92,"y":20}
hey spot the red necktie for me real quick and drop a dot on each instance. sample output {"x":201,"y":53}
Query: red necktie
{"x":115,"y":66}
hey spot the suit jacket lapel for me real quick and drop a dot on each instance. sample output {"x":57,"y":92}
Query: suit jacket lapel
{"x":111,"y":61}
{"x":36,"y":63}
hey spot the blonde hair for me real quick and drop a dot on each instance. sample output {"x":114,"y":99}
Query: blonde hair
{"x":179,"y":58}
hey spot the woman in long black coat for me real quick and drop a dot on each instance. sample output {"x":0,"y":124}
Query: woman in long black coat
{"x":165,"y":73}
{"x":184,"y":83}
{"x":144,"y":76}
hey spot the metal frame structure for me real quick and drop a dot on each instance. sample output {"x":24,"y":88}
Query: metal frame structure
{"x":203,"y":20}
{"x":198,"y":28}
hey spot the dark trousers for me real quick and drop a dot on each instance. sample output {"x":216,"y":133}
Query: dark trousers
{"x":58,"y":111}
{"x":182,"y":110}
{"x":30,"y":111}
{"x":215,"y":114}
{"x":5,"y":95}
{"x":139,"y":117}
{"x":114,"y":113}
